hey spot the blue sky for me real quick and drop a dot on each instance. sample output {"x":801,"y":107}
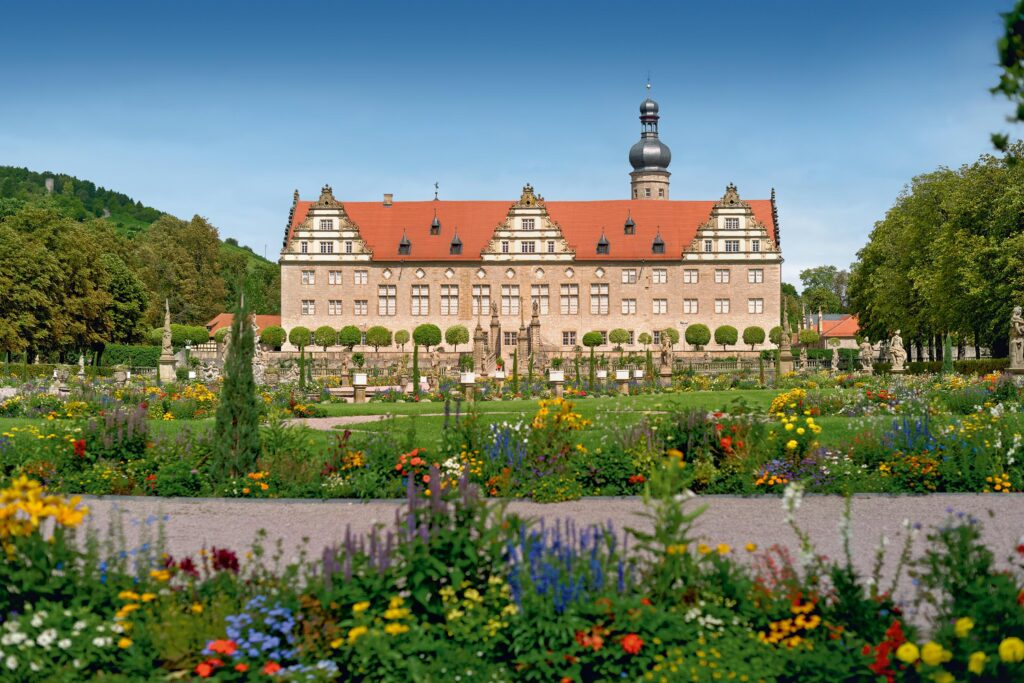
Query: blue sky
{"x":223,"y":108}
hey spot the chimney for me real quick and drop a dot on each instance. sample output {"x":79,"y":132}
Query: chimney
{"x":387,"y":198}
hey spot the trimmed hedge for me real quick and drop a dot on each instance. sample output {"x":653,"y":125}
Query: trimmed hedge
{"x":134,"y":356}
{"x":979,"y":366}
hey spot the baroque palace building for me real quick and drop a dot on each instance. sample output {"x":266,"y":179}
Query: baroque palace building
{"x":643,"y":264}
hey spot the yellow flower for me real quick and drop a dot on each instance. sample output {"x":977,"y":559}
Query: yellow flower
{"x":963,"y":626}
{"x":907,"y":653}
{"x":360,"y":607}
{"x":751,"y":547}
{"x":800,"y":430}
{"x":976,"y":662}
{"x":934,"y":654}
{"x":395,"y":629}
{"x":128,"y":595}
{"x":124,"y":643}
{"x":943,"y":677}
{"x":160,"y":574}
{"x":1012,"y":650}
{"x":703,"y":549}
{"x":791,"y":444}
{"x":196,"y":608}
{"x":723,"y":548}
{"x":355,"y":632}
{"x":789,"y":426}
{"x":148,"y":597}
{"x":676,"y":549}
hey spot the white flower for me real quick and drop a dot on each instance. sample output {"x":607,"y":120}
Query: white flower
{"x":11,"y":662}
{"x":64,"y":643}
{"x":791,"y":499}
{"x":46,"y":638}
{"x":102,"y":641}
{"x":33,"y":666}
{"x":37,"y":620}
{"x":79,"y":625}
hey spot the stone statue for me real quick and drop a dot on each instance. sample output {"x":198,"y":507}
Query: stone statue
{"x":867,"y":357}
{"x":803,"y":358}
{"x":166,"y":345}
{"x":81,"y":365}
{"x":494,"y":309}
{"x":897,"y":354}
{"x":666,"y":351}
{"x":835,"y":359}
{"x":1017,"y":339}
{"x":536,"y":308}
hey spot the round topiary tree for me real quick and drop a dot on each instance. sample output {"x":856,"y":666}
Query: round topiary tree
{"x":592,"y":340}
{"x":753,"y":335}
{"x":698,"y":335}
{"x":427,"y":335}
{"x":618,"y":336}
{"x":645,"y":339}
{"x":672,"y":334}
{"x":273,"y":336}
{"x":325,"y":336}
{"x":402,"y":338}
{"x":197,"y":334}
{"x":726,"y":335}
{"x":809,"y":337}
{"x":378,"y":336}
{"x":220,"y":335}
{"x":455,"y":335}
{"x":349,"y":336}
{"x":775,"y":335}
{"x":300,"y":336}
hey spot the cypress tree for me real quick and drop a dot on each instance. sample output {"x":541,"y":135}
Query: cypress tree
{"x":515,"y":372}
{"x":416,"y":370}
{"x":529,"y":377}
{"x":237,"y":430}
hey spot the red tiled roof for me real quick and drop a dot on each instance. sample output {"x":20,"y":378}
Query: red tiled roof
{"x":225,"y":320}
{"x":581,"y":223}
{"x":846,"y":327}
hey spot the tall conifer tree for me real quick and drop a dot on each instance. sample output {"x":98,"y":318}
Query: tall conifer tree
{"x":237,"y":440}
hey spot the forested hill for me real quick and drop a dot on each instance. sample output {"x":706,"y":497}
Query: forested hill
{"x":140,"y":257}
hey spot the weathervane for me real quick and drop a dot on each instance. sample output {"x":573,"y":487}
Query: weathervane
{"x":436,"y":186}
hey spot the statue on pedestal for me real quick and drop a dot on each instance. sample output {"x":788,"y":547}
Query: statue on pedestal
{"x":835,"y":359}
{"x":803,"y":359}
{"x":666,"y":351}
{"x":81,"y":365}
{"x":1017,"y":339}
{"x":897,"y":354}
{"x":867,"y":356}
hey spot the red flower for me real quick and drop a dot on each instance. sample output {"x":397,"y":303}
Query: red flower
{"x":205,"y":669}
{"x":637,"y":479}
{"x":224,"y":559}
{"x":646,"y":601}
{"x":241,"y":668}
{"x":632,"y":644}
{"x":566,"y":679}
{"x":223,"y":647}
{"x":271,"y":668}
{"x":80,"y":448}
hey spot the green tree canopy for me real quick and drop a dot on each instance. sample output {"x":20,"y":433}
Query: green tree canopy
{"x":427,"y":335}
{"x":325,"y":336}
{"x":699,"y":335}
{"x":455,"y":335}
{"x":809,"y":337}
{"x":645,"y":338}
{"x":618,"y":336}
{"x":236,"y":444}
{"x":273,"y":336}
{"x":593,"y":339}
{"x":129,"y":301}
{"x":402,"y":338}
{"x":753,"y":335}
{"x":350,"y":336}
{"x":673,"y":334}
{"x":726,"y":335}
{"x":300,"y":336}
{"x":775,"y":335}
{"x":378,"y":336}
{"x":825,"y":289}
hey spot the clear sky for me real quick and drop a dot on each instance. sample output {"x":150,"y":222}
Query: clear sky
{"x":223,"y":108}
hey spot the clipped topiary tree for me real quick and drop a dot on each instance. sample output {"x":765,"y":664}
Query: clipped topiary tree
{"x":325,"y":336}
{"x":378,"y":336}
{"x":220,"y":335}
{"x":349,"y":336}
{"x":753,"y":335}
{"x":726,"y":335}
{"x":237,"y":429}
{"x":699,"y":335}
{"x":300,"y":336}
{"x":618,"y":336}
{"x":775,"y":335}
{"x":645,"y":339}
{"x":455,"y":335}
{"x":427,"y":335}
{"x":809,"y":337}
{"x":592,"y":340}
{"x":402,"y":338}
{"x":273,"y":336}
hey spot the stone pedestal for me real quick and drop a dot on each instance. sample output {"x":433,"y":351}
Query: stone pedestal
{"x":359,"y":394}
{"x":166,"y":369}
{"x":665,"y":376}
{"x":558,"y":389}
{"x":468,"y":382}
{"x":785,"y":362}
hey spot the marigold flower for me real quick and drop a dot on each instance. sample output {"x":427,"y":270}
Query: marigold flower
{"x":1011,"y":650}
{"x":160,"y":574}
{"x":355,"y":633}
{"x":632,"y":644}
{"x":360,"y":607}
{"x":751,"y":547}
{"x":934,"y":654}
{"x":703,"y":549}
{"x":124,"y":643}
{"x":394,"y":629}
{"x":963,"y":626}
{"x":723,"y":548}
{"x":908,"y":653}
{"x":196,"y":608}
{"x":791,"y":444}
{"x":976,"y":663}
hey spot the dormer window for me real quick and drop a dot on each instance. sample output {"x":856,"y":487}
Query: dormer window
{"x":630,"y":227}
{"x":658,"y":246}
{"x":435,"y":225}
{"x":405,"y":246}
{"x":456,"y":246}
{"x":603,"y":247}
{"x":732,"y":223}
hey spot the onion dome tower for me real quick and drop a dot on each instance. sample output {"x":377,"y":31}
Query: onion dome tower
{"x":650,"y":156}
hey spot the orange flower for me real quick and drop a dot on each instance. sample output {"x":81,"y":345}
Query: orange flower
{"x":271,"y":668}
{"x":426,"y":478}
{"x":241,"y":668}
{"x":204,"y":669}
{"x":632,"y":644}
{"x":223,"y":647}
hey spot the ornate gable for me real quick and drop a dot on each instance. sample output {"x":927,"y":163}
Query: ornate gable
{"x":732,"y":232}
{"x":528,"y":233}
{"x":328,"y":233}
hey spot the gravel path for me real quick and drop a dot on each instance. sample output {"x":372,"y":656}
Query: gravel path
{"x":194,"y":523}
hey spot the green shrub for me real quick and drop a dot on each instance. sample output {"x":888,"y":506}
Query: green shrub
{"x":698,"y":335}
{"x":427,"y":335}
{"x":775,"y":335}
{"x":325,"y":336}
{"x":273,"y":336}
{"x":378,"y":336}
{"x":402,"y":338}
{"x":132,"y":356}
{"x":809,"y":337}
{"x":455,"y":335}
{"x":220,"y":335}
{"x":349,"y":336}
{"x":300,"y":336}
{"x":753,"y":335}
{"x":726,"y":335}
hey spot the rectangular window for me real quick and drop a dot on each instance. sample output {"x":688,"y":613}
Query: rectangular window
{"x":604,"y":336}
{"x":598,"y":299}
{"x":504,"y":246}
{"x":361,"y":307}
{"x":569,"y":338}
{"x":690,"y":276}
{"x":732,"y":246}
{"x":570,"y":299}
{"x":721,"y":305}
{"x":629,"y":307}
{"x":528,"y":224}
{"x":528,"y":247}
{"x":755,"y":305}
{"x":755,"y":276}
{"x":421,"y":299}
{"x":326,"y":223}
{"x":551,"y":246}
{"x":511,"y":339}
{"x":632,"y":337}
{"x":334,"y":307}
{"x":660,"y":306}
{"x":647,"y":192}
{"x":732,"y":223}
{"x":387,"y":299}
{"x":690,"y":306}
{"x":661,"y":192}
{"x":721,"y":276}
{"x":327,"y":247}
{"x":304,"y":247}
{"x":360,"y":277}
{"x":755,"y":246}
{"x":348,"y":247}
{"x":657,"y":337}
{"x":510,"y":299}
{"x":539,"y":296}
{"x":708,"y":246}
{"x":628,"y":276}
{"x":481,"y":299}
{"x":309,"y":277}
{"x":334,"y":277}
{"x":308,"y":307}
{"x":659,"y":276}
{"x":449,"y":299}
